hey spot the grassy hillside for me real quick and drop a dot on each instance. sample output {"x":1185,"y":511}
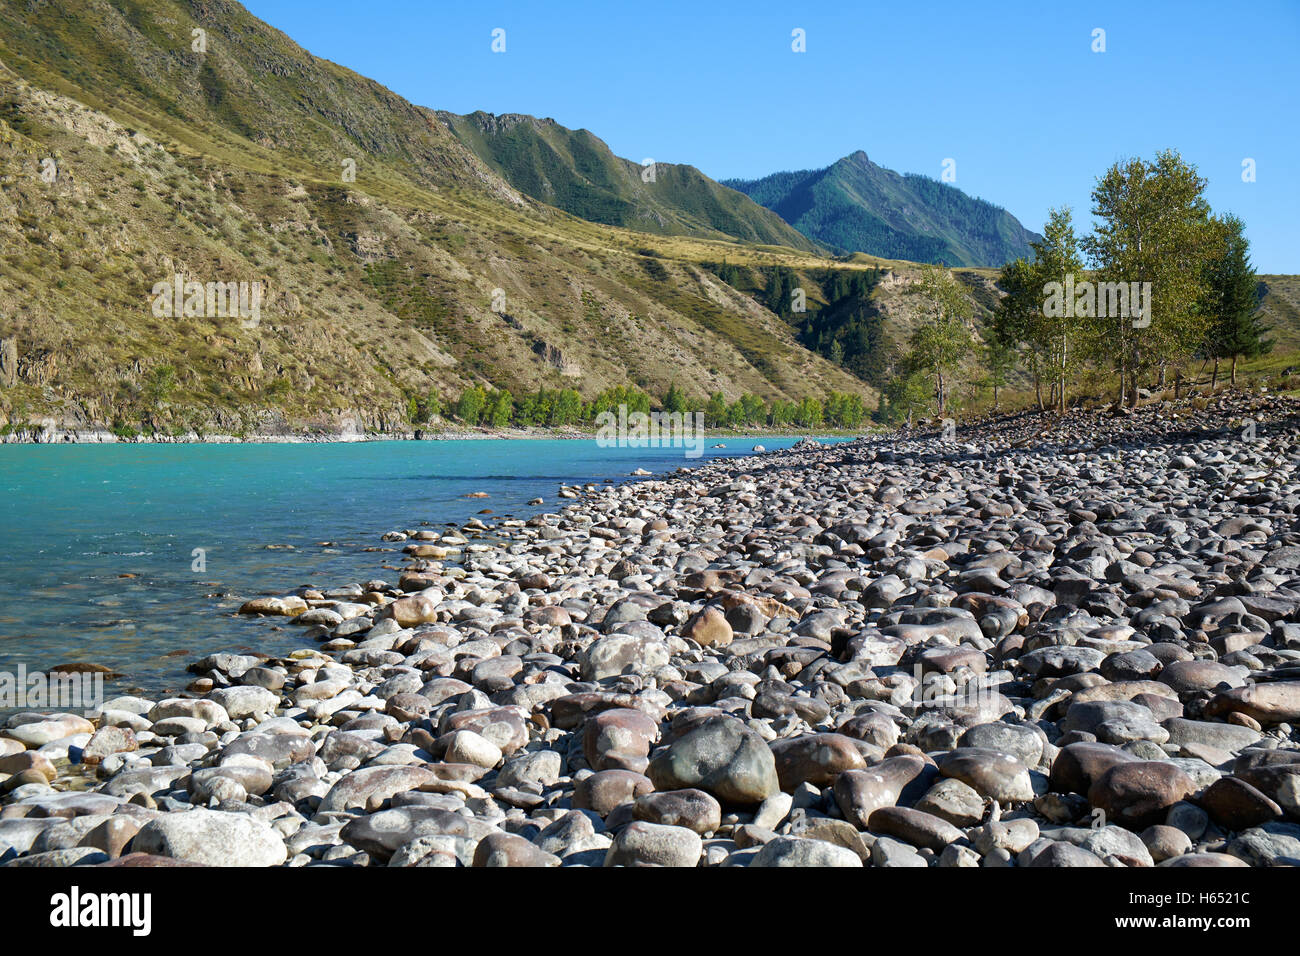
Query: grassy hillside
{"x":575,"y":171}
{"x":1280,"y":306}
{"x":858,"y":206}
{"x":227,"y":166}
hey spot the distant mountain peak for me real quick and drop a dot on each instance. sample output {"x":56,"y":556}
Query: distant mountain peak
{"x":857,"y":206}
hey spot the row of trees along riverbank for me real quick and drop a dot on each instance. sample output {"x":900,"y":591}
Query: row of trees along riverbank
{"x":481,"y":406}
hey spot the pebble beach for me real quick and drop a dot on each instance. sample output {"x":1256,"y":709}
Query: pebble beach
{"x":1025,"y":645}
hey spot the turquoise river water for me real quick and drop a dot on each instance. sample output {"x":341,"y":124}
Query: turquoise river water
{"x":97,"y":542}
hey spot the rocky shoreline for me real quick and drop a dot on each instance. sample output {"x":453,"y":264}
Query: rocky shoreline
{"x":103,"y":436}
{"x":1075,"y":645}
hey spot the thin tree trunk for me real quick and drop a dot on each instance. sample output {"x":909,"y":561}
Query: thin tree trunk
{"x":1214,"y":376}
{"x":1123,"y":368}
{"x":1234,"y":371}
{"x":1133,"y":380}
{"x":1065,"y":355}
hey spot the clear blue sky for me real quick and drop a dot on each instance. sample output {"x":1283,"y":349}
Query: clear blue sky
{"x":1015,"y":95}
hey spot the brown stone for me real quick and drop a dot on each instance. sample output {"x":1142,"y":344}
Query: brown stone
{"x":411,"y":610}
{"x":507,"y":727}
{"x":1192,"y":677}
{"x":814,"y":758}
{"x":1139,"y":794}
{"x":1236,"y":805}
{"x":916,"y":827}
{"x":605,"y":790}
{"x":106,"y":741}
{"x":1078,"y":766}
{"x":990,"y":773}
{"x":28,"y":760}
{"x":571,"y":711}
{"x":693,"y":809}
{"x":511,"y":850}
{"x":1272,"y":703}
{"x":619,"y":739}
{"x":548,"y":615}
{"x":113,"y":834}
{"x":839,"y":833}
{"x":860,"y":793}
{"x":708,"y":628}
{"x":946,"y":660}
{"x":874,"y":728}
{"x":1280,"y":782}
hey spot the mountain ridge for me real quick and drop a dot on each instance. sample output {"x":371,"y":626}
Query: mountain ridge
{"x":855,"y":205}
{"x":575,"y":170}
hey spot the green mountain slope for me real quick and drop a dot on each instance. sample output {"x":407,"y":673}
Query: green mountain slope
{"x":1280,"y":310}
{"x":575,"y":171}
{"x":858,"y":206}
{"x":227,"y":165}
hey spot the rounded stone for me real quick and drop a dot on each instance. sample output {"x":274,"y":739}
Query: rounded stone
{"x":992,"y":774}
{"x":211,"y":838}
{"x":693,"y":809}
{"x":816,"y":759}
{"x":603,"y":791}
{"x":654,"y":844}
{"x":1139,"y":794}
{"x":722,"y":757}
{"x":1235,"y":805}
{"x":801,"y":852}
